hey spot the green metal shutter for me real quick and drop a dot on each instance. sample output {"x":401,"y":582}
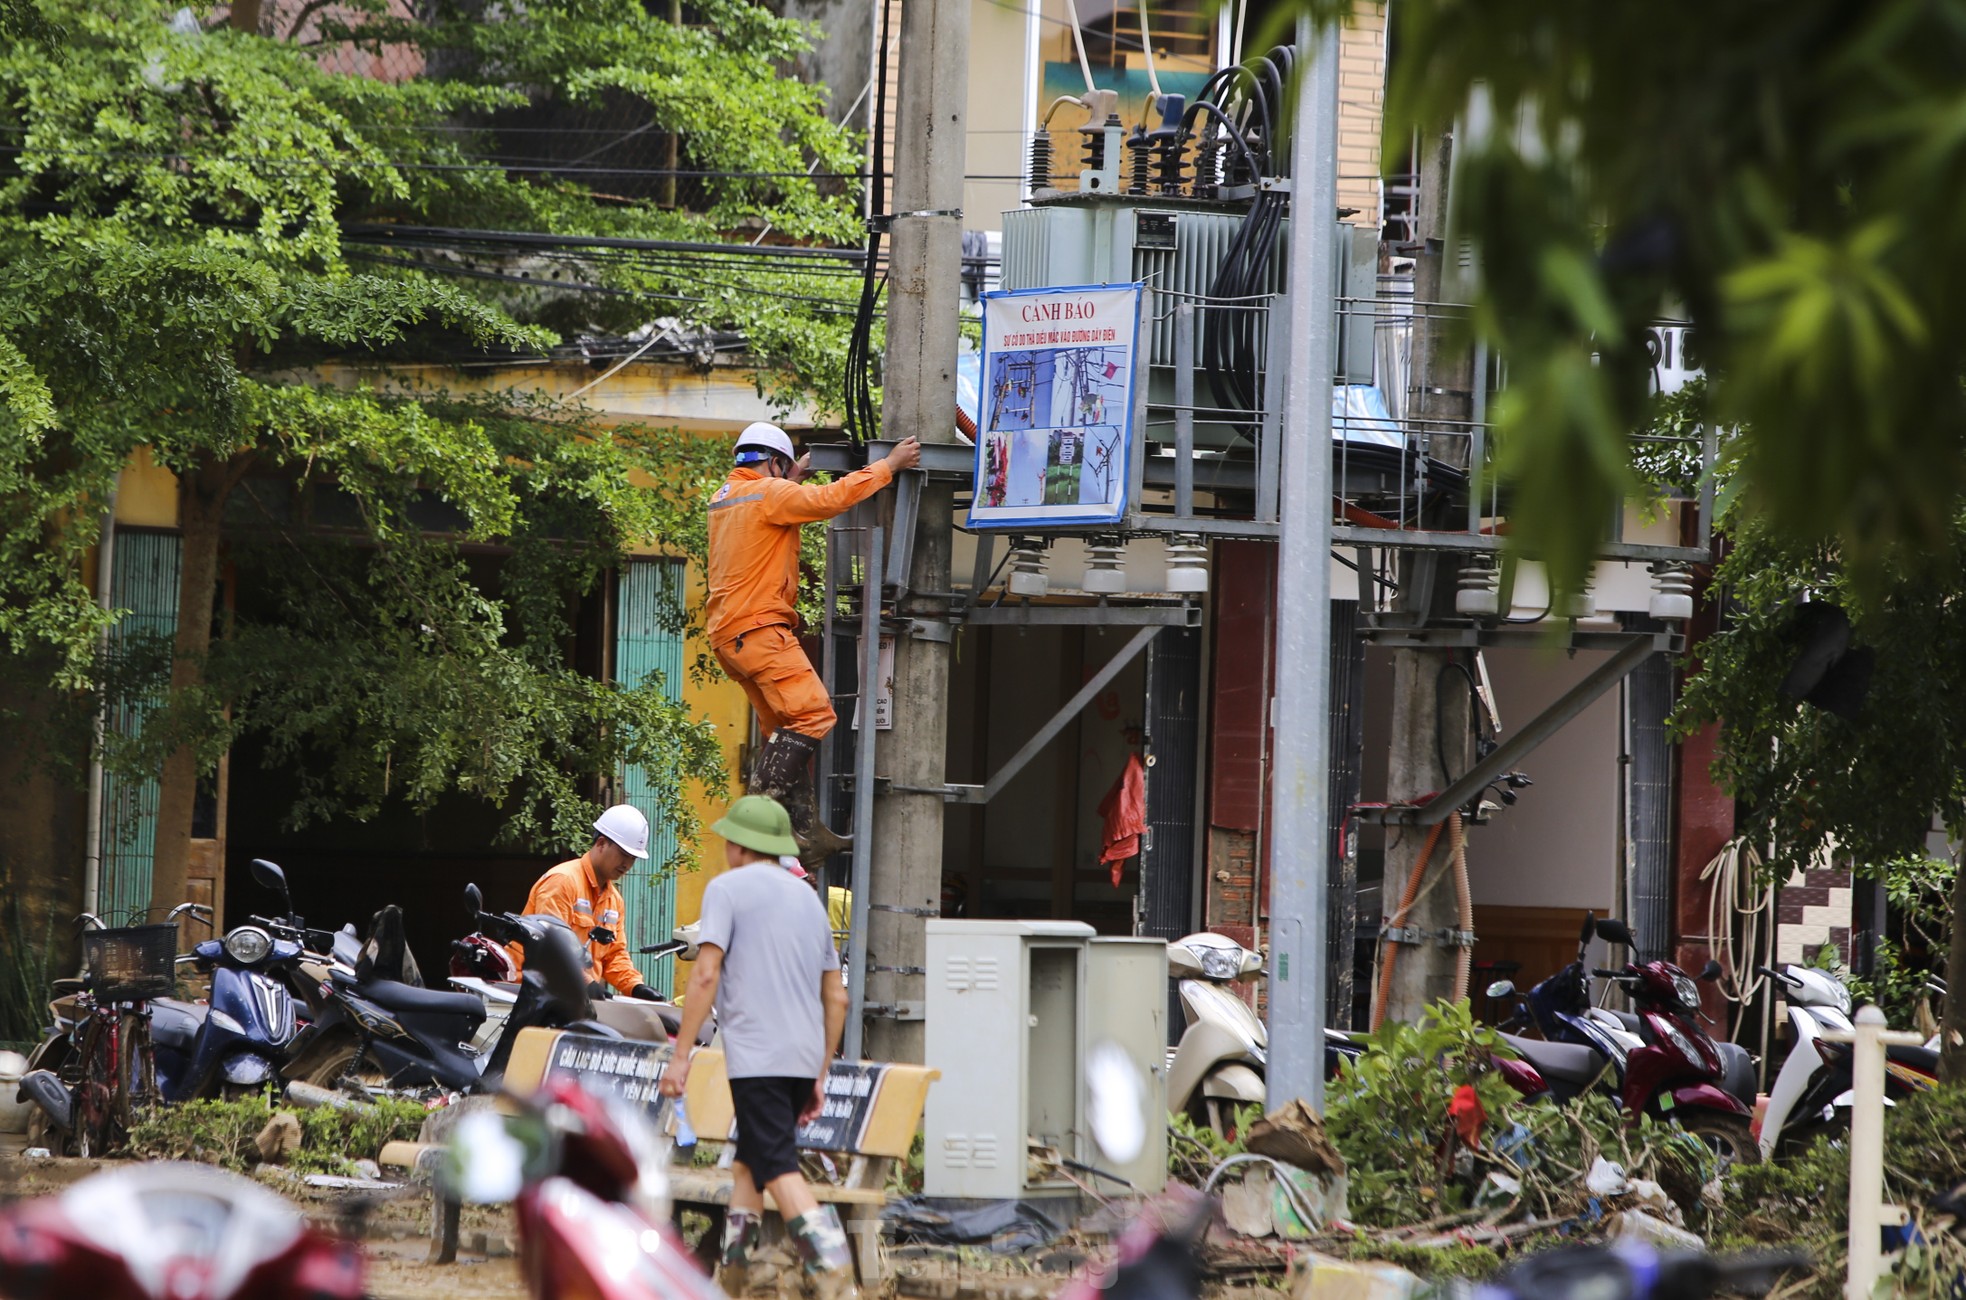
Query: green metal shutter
{"x":649,"y":643}
{"x":143,"y":581}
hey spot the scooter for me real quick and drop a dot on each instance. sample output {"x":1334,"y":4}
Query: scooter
{"x":238,"y":1038}
{"x":1660,"y":1061}
{"x":1813,"y":1092}
{"x":389,"y":1034}
{"x":1218,"y":1067}
{"x":587,"y":1179}
{"x":171,"y":1232}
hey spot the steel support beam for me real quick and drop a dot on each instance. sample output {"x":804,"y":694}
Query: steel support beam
{"x":1059,"y":721}
{"x":1300,"y":792}
{"x":1083,"y":615}
{"x":863,"y":798}
{"x":1519,"y":744}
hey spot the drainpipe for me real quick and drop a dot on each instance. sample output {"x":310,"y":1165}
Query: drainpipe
{"x":92,"y":832}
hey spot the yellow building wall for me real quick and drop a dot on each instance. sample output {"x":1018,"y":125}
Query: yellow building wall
{"x":146,"y":493}
{"x":717,"y":405}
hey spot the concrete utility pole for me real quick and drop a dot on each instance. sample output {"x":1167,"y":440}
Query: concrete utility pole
{"x":1300,"y":835}
{"x":1430,"y":702}
{"x":924,"y":296}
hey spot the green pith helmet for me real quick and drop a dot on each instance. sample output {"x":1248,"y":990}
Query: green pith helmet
{"x":759,"y":823}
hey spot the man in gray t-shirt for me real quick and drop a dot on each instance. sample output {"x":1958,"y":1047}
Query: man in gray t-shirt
{"x":766,"y":961}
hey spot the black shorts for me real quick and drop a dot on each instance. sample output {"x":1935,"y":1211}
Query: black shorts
{"x":767,"y":1118}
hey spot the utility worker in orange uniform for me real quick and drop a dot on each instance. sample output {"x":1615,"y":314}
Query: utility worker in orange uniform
{"x":752,"y":619}
{"x":583,"y":894}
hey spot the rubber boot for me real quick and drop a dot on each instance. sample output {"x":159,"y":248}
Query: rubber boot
{"x":784,"y":771}
{"x":741,"y":1232}
{"x":822,"y":1244}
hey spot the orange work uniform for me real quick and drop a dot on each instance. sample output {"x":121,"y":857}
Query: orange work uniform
{"x":754,"y":589}
{"x":571,"y":892}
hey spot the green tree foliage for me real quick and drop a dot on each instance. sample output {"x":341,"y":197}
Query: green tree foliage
{"x":1788,"y":174}
{"x":177,"y":272}
{"x":1866,"y":789}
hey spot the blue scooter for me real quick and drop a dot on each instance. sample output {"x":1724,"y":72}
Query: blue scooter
{"x":238,"y":1041}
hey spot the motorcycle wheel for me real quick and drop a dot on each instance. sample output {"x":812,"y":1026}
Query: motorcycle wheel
{"x":1727,"y":1136}
{"x":94,"y":1103}
{"x":343,"y":1061}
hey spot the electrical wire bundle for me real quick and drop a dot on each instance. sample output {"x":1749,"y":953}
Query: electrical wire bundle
{"x":1244,"y":138}
{"x":860,"y":422}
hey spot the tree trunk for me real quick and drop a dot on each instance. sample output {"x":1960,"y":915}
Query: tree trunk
{"x":202,"y":495}
{"x":1952,"y":1032}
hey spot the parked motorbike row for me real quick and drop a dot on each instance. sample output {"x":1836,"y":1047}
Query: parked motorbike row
{"x":293,"y":1005}
{"x":1656,"y":1060}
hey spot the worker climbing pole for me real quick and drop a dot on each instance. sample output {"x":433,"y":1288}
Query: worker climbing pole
{"x":751,"y":616}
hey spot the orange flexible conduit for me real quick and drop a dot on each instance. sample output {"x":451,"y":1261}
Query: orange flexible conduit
{"x":1389,"y":951}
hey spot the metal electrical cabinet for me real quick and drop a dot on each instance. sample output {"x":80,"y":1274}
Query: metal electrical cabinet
{"x":1005,"y":1003}
{"x":1126,"y":1004}
{"x":1011,"y":1008}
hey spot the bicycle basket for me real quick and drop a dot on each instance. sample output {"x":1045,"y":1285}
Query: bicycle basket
{"x":131,"y":964}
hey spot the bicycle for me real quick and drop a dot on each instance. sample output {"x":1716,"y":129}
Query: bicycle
{"x":113,"y":1074}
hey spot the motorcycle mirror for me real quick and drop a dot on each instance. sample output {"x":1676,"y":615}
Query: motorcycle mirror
{"x":474,"y":901}
{"x":269,"y":875}
{"x":1502,"y":989}
{"x":1614,"y":931}
{"x":1590,"y":923}
{"x":1711,"y":971}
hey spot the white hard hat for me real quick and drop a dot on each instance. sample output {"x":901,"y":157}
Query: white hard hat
{"x":625,"y":825}
{"x":767,"y":437}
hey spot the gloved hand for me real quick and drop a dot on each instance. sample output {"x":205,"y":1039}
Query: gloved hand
{"x":645,"y":993}
{"x":599,"y":991}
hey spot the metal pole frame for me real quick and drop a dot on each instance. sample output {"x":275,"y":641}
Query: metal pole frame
{"x":863,"y":796}
{"x":1300,"y":781}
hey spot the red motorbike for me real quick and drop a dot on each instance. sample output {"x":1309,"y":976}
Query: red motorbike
{"x":171,"y":1232}
{"x":588,"y":1178}
{"x":1679,"y":1071}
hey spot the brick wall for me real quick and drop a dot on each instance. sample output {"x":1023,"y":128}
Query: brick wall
{"x":1361,"y":110}
{"x":1813,"y":908}
{"x":1232,"y":884}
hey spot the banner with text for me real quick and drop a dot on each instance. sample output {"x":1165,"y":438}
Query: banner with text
{"x":1055,"y":439}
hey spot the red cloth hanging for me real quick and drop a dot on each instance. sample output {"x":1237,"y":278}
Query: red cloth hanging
{"x":1125,"y":811}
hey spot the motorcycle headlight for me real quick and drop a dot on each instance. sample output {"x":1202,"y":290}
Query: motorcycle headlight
{"x":1687,"y":992}
{"x":248,"y":945}
{"x":1220,"y":964}
{"x":1681,"y":1043}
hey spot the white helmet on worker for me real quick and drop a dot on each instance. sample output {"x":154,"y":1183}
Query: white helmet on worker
{"x":766,"y":437}
{"x":625,"y":825}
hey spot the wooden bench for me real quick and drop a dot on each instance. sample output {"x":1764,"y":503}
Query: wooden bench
{"x":873,"y":1111}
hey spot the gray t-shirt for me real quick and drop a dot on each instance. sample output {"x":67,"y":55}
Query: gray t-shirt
{"x":776,"y":941}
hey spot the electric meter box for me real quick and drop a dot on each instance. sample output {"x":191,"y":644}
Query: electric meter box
{"x":1003,"y":1023}
{"x":1011,"y":1009}
{"x":1126,"y":1001}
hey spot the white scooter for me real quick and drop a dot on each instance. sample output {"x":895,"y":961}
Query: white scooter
{"x":1812,"y":1092}
{"x":1218,"y":1065}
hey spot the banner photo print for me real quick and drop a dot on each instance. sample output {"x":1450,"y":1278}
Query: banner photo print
{"x":1055,"y":439}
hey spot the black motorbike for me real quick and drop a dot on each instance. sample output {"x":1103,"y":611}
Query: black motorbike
{"x":381,"y":1033}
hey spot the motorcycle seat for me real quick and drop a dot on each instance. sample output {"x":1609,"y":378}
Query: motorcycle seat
{"x":1737,"y":1072}
{"x":407,"y":998}
{"x":175,"y":1023}
{"x":1567,"y":1061}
